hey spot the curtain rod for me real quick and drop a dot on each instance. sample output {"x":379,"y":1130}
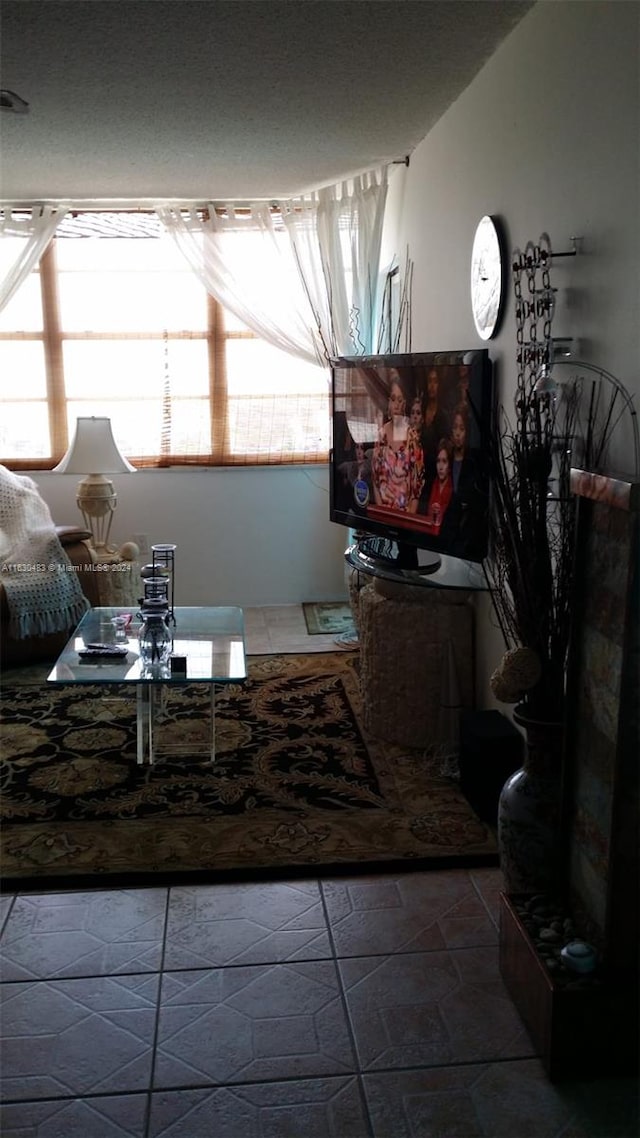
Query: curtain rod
{"x":143,"y":205}
{"x":146,"y":204}
{"x":126,"y":207}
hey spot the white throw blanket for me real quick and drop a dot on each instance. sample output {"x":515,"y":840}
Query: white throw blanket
{"x":40,"y":583}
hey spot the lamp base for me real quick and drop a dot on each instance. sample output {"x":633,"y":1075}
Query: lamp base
{"x":97,"y":500}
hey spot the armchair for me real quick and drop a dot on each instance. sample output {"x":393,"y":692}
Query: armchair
{"x":42,"y":649}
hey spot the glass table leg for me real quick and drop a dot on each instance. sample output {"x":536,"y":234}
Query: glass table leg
{"x":142,"y":722}
{"x":212,"y":723}
{"x":150,"y":707}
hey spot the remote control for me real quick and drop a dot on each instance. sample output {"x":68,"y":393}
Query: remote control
{"x":100,"y":654}
{"x":112,"y":649}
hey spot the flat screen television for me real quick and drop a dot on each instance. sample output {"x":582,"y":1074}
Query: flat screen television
{"x":408,"y":457}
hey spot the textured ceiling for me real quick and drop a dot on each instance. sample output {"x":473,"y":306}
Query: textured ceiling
{"x":218,"y":100}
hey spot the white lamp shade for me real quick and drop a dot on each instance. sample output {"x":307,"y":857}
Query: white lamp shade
{"x":93,"y":450}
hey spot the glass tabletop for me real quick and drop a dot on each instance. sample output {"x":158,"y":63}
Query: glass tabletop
{"x":210,"y":639}
{"x":450,"y":572}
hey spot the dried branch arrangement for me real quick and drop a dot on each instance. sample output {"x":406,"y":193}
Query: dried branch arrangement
{"x":530,"y":568}
{"x":530,"y":564}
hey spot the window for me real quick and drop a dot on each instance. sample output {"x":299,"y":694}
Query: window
{"x":119,"y":325}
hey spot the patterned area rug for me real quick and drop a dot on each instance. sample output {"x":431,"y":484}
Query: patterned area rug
{"x":296,"y":785}
{"x":327,"y":617}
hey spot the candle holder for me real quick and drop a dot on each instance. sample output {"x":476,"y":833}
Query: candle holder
{"x":163,"y":564}
{"x":154,"y":638}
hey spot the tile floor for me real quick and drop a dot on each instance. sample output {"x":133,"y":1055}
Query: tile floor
{"x":282,"y":628}
{"x":331,"y":1008}
{"x":351,"y":1007}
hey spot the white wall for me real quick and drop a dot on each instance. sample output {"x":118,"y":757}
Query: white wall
{"x":244,"y":536}
{"x":547,"y":138}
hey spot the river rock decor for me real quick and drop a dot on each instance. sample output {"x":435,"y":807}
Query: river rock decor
{"x":577,"y":1022}
{"x":551,"y":929}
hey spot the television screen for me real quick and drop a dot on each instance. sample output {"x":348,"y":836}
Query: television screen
{"x":409,"y":450}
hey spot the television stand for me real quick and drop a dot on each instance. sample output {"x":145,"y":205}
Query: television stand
{"x":405,"y":564}
{"x":415,"y":630}
{"x":401,"y":556}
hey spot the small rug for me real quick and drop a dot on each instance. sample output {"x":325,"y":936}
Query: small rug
{"x":327,"y":618}
{"x":296,"y":786}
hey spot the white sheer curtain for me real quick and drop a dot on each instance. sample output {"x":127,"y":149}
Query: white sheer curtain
{"x":24,"y":240}
{"x":311,"y":284}
{"x":336,"y":235}
{"x":244,"y":259}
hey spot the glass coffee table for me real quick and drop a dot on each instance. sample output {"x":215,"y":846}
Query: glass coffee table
{"x":208,"y":648}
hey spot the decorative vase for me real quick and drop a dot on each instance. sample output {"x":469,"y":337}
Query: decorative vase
{"x":529,"y":812}
{"x":155,"y":642}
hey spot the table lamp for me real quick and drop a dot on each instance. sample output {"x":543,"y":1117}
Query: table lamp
{"x":93,"y":452}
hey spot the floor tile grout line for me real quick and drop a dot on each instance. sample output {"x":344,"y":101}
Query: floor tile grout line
{"x":365,"y":1104}
{"x":89,"y":1095}
{"x":354,"y":1072}
{"x":12,"y":901}
{"x":156,"y":1027}
{"x":351,"y":1073}
{"x":350,"y":1028}
{"x":345,"y":1007}
{"x":481,"y":897}
{"x":338,"y":976}
{"x":266,"y":963}
{"x":473,"y":889}
{"x":305,"y":874}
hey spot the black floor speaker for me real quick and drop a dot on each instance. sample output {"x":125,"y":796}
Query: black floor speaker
{"x":491,"y":749}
